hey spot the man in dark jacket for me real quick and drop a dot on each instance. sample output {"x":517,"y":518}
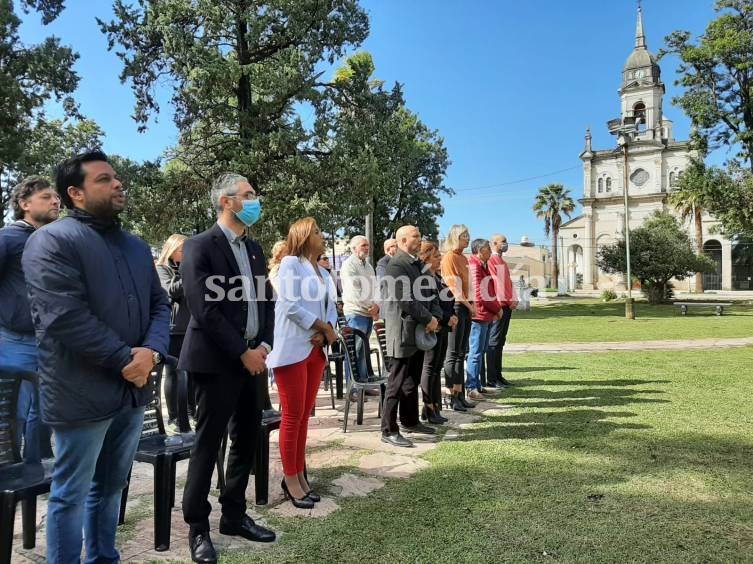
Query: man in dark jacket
{"x":407,"y":303}
{"x":225,"y":350}
{"x":102,"y":322}
{"x":35,"y":203}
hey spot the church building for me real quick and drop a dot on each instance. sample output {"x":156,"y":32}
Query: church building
{"x":649,"y":160}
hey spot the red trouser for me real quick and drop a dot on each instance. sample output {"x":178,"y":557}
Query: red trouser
{"x":297,"y":385}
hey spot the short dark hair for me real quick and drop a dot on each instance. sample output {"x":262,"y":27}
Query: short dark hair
{"x":479,"y":244}
{"x":25,"y":190}
{"x":69,"y":173}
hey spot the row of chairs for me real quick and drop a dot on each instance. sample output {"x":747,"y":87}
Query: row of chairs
{"x":23,"y":482}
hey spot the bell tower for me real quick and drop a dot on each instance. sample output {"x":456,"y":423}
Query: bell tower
{"x":642,"y":90}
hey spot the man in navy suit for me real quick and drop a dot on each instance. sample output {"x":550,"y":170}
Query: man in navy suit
{"x":225,"y":350}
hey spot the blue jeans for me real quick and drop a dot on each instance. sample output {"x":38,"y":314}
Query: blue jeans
{"x":20,"y":351}
{"x":91,"y":469}
{"x":363,"y":324}
{"x":478,"y":342}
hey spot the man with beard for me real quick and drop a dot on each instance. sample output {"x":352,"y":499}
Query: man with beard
{"x":35,"y":203}
{"x":230,"y":334}
{"x":103,"y":324}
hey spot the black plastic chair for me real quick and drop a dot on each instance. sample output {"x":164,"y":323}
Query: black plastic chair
{"x":349,"y":337}
{"x":164,"y":457}
{"x":383,"y":366}
{"x":19,"y":481}
{"x":270,"y":420}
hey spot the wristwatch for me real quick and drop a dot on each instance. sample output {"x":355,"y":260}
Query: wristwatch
{"x":156,"y":358}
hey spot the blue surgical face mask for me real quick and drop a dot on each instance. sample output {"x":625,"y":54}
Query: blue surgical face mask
{"x":503,"y":248}
{"x":250,"y":212}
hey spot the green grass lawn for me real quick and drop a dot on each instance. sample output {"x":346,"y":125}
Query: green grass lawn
{"x":621,"y":457}
{"x":592,"y":321}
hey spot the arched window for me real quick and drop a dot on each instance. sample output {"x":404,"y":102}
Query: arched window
{"x":609,"y":185}
{"x":671,"y":178}
{"x":600,"y":185}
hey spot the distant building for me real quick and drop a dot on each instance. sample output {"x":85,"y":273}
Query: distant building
{"x":655,"y":161}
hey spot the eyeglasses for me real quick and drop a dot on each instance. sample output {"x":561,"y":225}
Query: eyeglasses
{"x":249,"y":197}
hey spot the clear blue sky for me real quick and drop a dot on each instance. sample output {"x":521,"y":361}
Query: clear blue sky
{"x":510,"y":85}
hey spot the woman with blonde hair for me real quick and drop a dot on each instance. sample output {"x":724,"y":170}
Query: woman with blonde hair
{"x":279,"y":251}
{"x":455,"y":273}
{"x":168,"y":268}
{"x":305,"y":315}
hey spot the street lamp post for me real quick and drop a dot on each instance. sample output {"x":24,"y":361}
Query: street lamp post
{"x":629,"y":310}
{"x":625,"y":129}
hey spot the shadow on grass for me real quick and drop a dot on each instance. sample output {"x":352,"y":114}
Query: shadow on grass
{"x":616,"y":382}
{"x":523,"y":397}
{"x":575,"y":423}
{"x":536,"y":369}
{"x":522,"y":393}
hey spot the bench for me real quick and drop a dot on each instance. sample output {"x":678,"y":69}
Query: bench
{"x":718,"y":305}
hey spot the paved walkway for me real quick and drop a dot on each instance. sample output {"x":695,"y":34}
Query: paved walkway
{"x":629,"y":346}
{"x":358,"y":460}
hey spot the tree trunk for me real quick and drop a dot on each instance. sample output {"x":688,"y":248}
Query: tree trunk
{"x":555,"y":263}
{"x":698,"y":247}
{"x":245,"y":114}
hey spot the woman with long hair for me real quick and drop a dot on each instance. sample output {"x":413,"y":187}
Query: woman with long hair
{"x":454,"y":267}
{"x":431,"y":386}
{"x":168,"y":268}
{"x":305,"y":317}
{"x":279,"y":251}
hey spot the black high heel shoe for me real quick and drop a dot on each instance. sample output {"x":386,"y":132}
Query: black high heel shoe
{"x":303,"y":503}
{"x":313,"y":496}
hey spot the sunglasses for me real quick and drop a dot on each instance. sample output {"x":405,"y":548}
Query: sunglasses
{"x":323,"y":258}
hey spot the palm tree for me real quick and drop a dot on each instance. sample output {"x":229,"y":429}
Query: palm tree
{"x":551,"y":201}
{"x":689,"y":197}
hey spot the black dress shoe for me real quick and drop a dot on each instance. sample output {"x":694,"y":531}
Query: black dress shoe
{"x":303,"y":503}
{"x":396,"y":439}
{"x":506,"y":382}
{"x":202,"y":549}
{"x":247,"y":529}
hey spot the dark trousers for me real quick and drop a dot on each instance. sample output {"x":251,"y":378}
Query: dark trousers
{"x":492,"y":367}
{"x":402,"y":392}
{"x":431,"y":386}
{"x":457,"y":348}
{"x":222,"y":399}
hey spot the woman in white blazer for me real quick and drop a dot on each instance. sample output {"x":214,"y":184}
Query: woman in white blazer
{"x":305,"y":316}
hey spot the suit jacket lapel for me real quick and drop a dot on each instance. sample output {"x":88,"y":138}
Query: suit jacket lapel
{"x":221,"y":241}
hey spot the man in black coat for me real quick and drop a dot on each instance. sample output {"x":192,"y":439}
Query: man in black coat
{"x":102,"y":321}
{"x":225,"y":349}
{"x":407,"y":303}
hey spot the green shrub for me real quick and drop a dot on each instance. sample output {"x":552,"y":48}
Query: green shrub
{"x":608,"y":295}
